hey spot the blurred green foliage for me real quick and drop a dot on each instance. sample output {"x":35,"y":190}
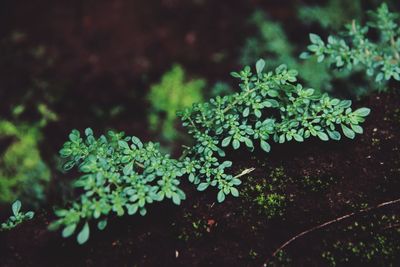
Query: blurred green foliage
{"x":25,"y":69}
{"x":23,"y":173}
{"x":174,"y":92}
{"x":272,"y":43}
{"x":333,"y":14}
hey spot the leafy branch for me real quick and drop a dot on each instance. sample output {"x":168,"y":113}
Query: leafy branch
{"x":122,"y":175}
{"x":356,"y":47}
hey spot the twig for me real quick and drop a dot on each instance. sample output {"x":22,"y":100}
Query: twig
{"x":326,"y":224}
{"x":244,"y":172}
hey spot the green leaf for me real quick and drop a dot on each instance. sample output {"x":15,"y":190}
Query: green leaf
{"x":101,"y":225}
{"x":362,"y":112}
{"x":234,"y":192}
{"x":132,"y":208}
{"x":260,"y":66}
{"x":123,"y":144}
{"x":314,"y":38}
{"x":334,"y":135}
{"x":202,"y":186}
{"x":69,"y":230}
{"x":29,"y":215}
{"x":128,"y":169}
{"x":379,"y":77}
{"x":65,"y":152}
{"x":304,"y":55}
{"x":143,"y":211}
{"x":221,"y":196}
{"x":226,"y":141}
{"x":248,"y":143}
{"x":235,"y":74}
{"x":226,"y":164}
{"x":265,"y":146}
{"x":348,"y":132}
{"x":323,"y":136}
{"x":83,"y":236}
{"x":235,"y":144}
{"x":246,"y":112}
{"x":176,"y":199}
{"x":298,"y":138}
{"x":357,"y":129}
{"x":137,"y":142}
{"x":88,"y":132}
{"x":16,"y":207}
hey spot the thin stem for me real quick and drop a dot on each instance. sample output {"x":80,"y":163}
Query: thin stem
{"x":244,"y":172}
{"x":140,"y":165}
{"x":392,"y":202}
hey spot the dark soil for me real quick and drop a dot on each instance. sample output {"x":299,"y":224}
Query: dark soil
{"x":200,"y":232}
{"x":104,"y":55}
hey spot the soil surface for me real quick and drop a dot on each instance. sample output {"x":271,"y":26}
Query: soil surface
{"x":354,"y":174}
{"x":104,"y":55}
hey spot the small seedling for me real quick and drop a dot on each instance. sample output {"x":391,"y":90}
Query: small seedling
{"x":17,"y":218}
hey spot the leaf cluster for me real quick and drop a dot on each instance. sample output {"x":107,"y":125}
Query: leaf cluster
{"x":271,"y":108}
{"x":356,"y":47}
{"x":122,"y":175}
{"x":17,"y":217}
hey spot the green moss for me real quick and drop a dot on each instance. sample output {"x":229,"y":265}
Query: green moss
{"x":373,"y":242}
{"x":316,"y":184}
{"x":173,"y":93}
{"x":268,"y":195}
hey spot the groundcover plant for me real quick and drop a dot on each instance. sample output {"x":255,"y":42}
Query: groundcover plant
{"x":293,"y":164}
{"x":380,"y":58}
{"x":122,"y":175}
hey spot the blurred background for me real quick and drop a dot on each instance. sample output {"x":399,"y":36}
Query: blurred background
{"x":129,"y":65}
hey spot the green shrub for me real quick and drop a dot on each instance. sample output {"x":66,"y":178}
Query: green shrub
{"x":122,"y":175}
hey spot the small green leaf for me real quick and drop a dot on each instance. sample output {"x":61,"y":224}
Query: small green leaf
{"x":137,"y":142}
{"x":101,"y":225}
{"x":314,"y":38}
{"x":248,"y":143}
{"x":362,"y":112}
{"x":69,"y":230}
{"x":234,"y":192}
{"x":235,"y":144}
{"x":221,"y":196}
{"x":83,"y":236}
{"x":323,"y":136}
{"x":16,"y":207}
{"x":334,"y":135}
{"x":246,"y":112}
{"x":265,"y":146}
{"x":260,"y":66}
{"x":348,"y":132}
{"x":226,"y":141}
{"x":357,"y":129}
{"x":88,"y":131}
{"x":202,"y":186}
{"x":128,"y":168}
